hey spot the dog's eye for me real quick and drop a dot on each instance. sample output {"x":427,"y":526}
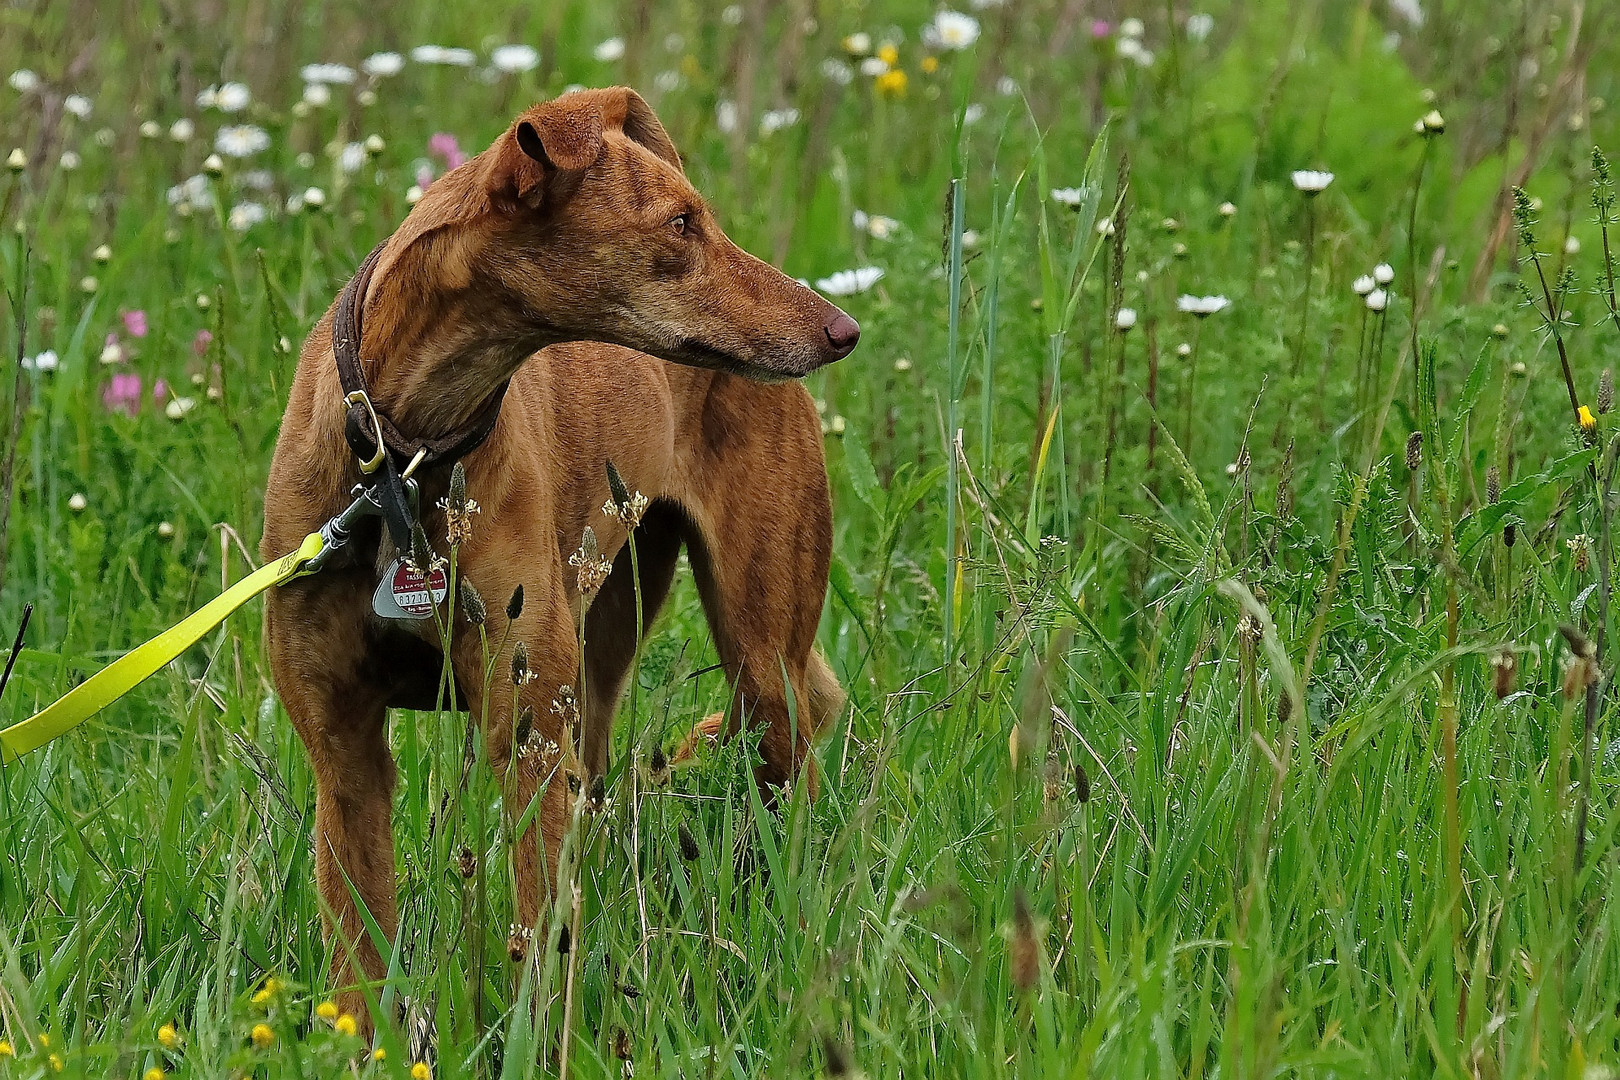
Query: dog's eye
{"x":680,"y":223}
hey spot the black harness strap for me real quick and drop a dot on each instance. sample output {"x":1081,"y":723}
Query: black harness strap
{"x":383,"y":466}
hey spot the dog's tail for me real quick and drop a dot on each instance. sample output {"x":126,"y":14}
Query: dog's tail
{"x":823,"y":696}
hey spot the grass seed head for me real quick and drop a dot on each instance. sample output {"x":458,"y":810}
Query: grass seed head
{"x":520,"y":664}
{"x":1524,"y":219}
{"x":1414,"y":451}
{"x":688,"y":842}
{"x":1504,"y":673}
{"x":1025,"y":954}
{"x":1082,"y":784}
{"x":514,"y":606}
{"x":836,"y":1056}
{"x":1493,"y":485}
{"x":466,"y":862}
{"x":472,"y":603}
{"x":1605,"y":393}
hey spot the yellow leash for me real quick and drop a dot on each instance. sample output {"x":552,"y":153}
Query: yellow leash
{"x":128,"y":671}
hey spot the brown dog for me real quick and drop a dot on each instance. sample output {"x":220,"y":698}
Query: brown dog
{"x":577,"y":225}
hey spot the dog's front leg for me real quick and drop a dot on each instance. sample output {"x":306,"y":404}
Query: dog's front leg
{"x":317,"y":648}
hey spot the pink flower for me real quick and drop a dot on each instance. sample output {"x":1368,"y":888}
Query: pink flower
{"x":424,"y":177}
{"x":160,"y":390}
{"x":200,"y":343}
{"x":135,"y":323}
{"x":446,"y":146}
{"x":123,"y":393}
{"x":1100,"y":29}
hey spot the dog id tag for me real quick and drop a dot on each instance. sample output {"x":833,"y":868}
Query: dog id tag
{"x":403,"y":594}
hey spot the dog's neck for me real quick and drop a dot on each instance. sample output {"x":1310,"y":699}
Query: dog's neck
{"x":439,"y":336}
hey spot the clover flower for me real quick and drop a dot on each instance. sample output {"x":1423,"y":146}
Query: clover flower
{"x":23,"y":81}
{"x":245,"y":215}
{"x":610,"y":50}
{"x":77,"y":105}
{"x":341,"y":74}
{"x":182,"y":130}
{"x":1363,"y":285}
{"x":1125,"y":319}
{"x":1377,"y":300}
{"x":1383,"y":273}
{"x":592,"y":568}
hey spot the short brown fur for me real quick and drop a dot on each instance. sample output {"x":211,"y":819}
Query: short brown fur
{"x":575,"y":228}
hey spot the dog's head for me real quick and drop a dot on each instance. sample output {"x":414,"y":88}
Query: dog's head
{"x":582,"y":215}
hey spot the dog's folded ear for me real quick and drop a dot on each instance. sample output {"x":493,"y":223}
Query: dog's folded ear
{"x":560,"y":137}
{"x":630,"y":113}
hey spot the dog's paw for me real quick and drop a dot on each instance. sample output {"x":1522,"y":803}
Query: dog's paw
{"x":705,"y":734}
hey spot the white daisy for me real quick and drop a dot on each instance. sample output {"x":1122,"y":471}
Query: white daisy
{"x":232,"y":97}
{"x":725,"y":116}
{"x":972,"y":113}
{"x":1071,"y":197}
{"x":835,"y":70}
{"x":1377,"y":300}
{"x":1363,"y":285}
{"x":317,"y":94}
{"x":241,"y":140}
{"x":512,"y":59}
{"x":23,"y":81}
{"x":70,"y":161}
{"x":1199,"y":26}
{"x":1383,"y":273}
{"x":178,"y":407}
{"x":352,"y":157}
{"x":776,"y":119}
{"x":182,"y":130}
{"x":341,"y":74}
{"x":858,"y":43}
{"x":1202,"y":305}
{"x":78,"y":105}
{"x":381,"y":65}
{"x":1125,"y":319}
{"x":1131,"y":28}
{"x":1410,"y":10}
{"x":850,"y":282}
{"x":873,"y":66}
{"x":439,"y":54}
{"x":610,"y":50}
{"x":1311,"y":181}
{"x":44,"y":362}
{"x":194,"y":189}
{"x":951,"y":30}
{"x":245,"y":215}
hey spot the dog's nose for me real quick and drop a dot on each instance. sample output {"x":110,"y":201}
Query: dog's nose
{"x":842,"y":334}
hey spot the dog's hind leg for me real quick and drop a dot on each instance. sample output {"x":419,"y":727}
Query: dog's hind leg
{"x":610,"y":625}
{"x":760,"y":543}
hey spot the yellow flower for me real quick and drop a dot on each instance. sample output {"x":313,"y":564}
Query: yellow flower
{"x":262,"y":1036}
{"x":891,"y":83}
{"x":345,"y":1025}
{"x":154,"y":1073}
{"x":888,"y":54}
{"x":420,"y":1071}
{"x":326,"y":1011}
{"x":168,"y":1037}
{"x":379,"y":1054}
{"x":56,"y":1062}
{"x":6,"y":1050}
{"x":44,"y":1039}
{"x":1588,"y":421}
{"x":930,"y":64}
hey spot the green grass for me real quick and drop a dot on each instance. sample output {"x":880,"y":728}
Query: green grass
{"x":1181,"y":761}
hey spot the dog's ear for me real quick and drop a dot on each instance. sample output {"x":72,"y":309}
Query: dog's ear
{"x":629,"y":112}
{"x":559,"y":137}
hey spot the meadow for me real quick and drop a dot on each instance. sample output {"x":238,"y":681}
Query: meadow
{"x":1223,"y":561}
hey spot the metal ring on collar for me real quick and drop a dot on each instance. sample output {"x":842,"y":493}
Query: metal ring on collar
{"x":360,"y":397}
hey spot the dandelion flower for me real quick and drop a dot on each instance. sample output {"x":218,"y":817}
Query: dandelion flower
{"x":56,"y":1063}
{"x":345,"y":1025}
{"x":5,"y":1047}
{"x":327,"y":1011}
{"x":76,"y":503}
{"x":951,"y":30}
{"x":154,"y":1073}
{"x":889,"y":53}
{"x":1311,"y":181}
{"x":1377,"y":300}
{"x":23,"y":81}
{"x":420,"y":1071}
{"x":78,"y":105}
{"x":929,"y":65}
{"x":1383,"y":273}
{"x":891,"y":83}
{"x":262,"y":1036}
{"x":241,"y":140}
{"x":1125,"y":319}
{"x":1202,"y":306}
{"x":1363,"y":285}
{"x":383,"y":64}
{"x":1588,"y":421}
{"x":610,"y":50}
{"x":341,"y":74}
{"x":379,"y":1054}
{"x":513,"y":59}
